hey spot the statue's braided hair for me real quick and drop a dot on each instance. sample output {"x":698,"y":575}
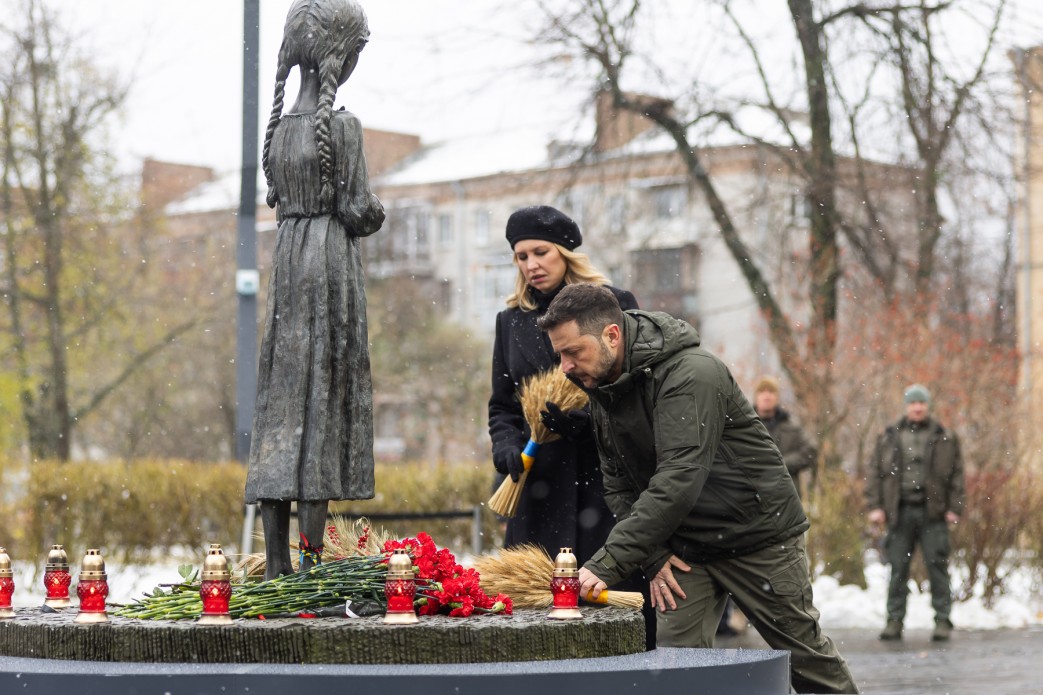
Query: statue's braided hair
{"x":327,"y":91}
{"x":281,"y":73}
{"x":320,"y":34}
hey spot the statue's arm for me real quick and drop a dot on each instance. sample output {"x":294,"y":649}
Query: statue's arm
{"x":359,"y":210}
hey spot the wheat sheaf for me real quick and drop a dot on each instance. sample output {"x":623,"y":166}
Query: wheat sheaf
{"x":535,"y":392}
{"x":524,"y":573}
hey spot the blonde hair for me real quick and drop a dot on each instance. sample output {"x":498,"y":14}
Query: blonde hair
{"x":767,"y":383}
{"x":578,"y":269}
{"x":320,"y":34}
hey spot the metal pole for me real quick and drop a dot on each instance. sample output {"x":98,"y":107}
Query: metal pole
{"x":476,"y":529}
{"x":246,"y":275}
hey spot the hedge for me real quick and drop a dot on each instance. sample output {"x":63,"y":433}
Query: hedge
{"x":137,"y":510}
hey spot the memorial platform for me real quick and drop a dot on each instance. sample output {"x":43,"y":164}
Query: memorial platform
{"x":523,"y":654}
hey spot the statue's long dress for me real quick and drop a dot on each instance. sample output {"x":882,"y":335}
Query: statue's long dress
{"x":313,"y":426}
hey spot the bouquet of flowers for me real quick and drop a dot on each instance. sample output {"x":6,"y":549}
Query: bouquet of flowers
{"x":443,"y":586}
{"x":551,"y":386}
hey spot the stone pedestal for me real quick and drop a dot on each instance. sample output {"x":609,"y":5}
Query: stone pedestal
{"x":47,"y":653}
{"x":688,"y":671}
{"x":525,"y":636}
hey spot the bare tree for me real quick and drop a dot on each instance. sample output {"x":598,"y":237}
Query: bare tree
{"x":906,"y":71}
{"x":67,"y":267}
{"x":940,"y":98}
{"x":603,"y":31}
{"x":438,"y":374}
{"x":858,"y":68}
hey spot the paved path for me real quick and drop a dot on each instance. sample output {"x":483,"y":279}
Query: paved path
{"x":974,"y":662}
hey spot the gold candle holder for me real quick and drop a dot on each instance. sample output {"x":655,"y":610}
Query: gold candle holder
{"x":56,"y":579}
{"x":93,"y":589}
{"x":564,"y":587}
{"x":216,"y":588}
{"x":400,"y":590}
{"x":6,"y":585}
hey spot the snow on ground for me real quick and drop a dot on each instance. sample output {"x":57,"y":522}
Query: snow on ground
{"x":844,"y":606}
{"x":849,"y":606}
{"x":125,"y":583}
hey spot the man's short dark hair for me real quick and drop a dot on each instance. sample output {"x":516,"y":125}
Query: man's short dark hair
{"x":592,"y":307}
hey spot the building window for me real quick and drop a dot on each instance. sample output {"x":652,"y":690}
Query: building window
{"x":444,"y":291}
{"x":617,"y":214}
{"x":445,"y":230}
{"x":404,"y":236}
{"x":418,"y":222}
{"x":574,"y":204}
{"x":495,"y":280}
{"x":664,"y":279}
{"x":799,"y":210}
{"x":660,"y":269}
{"x":481,"y":227}
{"x":668,"y":201}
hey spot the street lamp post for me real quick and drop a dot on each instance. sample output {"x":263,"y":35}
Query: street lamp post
{"x":247,"y":278}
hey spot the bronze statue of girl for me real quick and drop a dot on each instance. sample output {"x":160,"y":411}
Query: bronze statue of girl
{"x":313,"y":428}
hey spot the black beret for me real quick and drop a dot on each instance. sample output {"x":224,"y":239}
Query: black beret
{"x":543,"y":222}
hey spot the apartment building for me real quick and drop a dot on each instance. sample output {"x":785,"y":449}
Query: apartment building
{"x":644,"y":225}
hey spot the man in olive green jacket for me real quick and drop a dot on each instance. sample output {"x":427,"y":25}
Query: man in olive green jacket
{"x":914,"y":484}
{"x":703,"y":502}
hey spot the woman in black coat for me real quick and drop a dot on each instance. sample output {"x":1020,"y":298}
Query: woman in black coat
{"x":562,"y":502}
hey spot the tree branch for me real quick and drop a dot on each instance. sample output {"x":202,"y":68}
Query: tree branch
{"x":865,"y":11}
{"x":765,"y":82}
{"x":131,"y":367}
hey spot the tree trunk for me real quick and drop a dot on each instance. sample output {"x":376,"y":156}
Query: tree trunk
{"x":820,"y":168}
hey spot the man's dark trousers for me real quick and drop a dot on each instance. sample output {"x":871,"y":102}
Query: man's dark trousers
{"x":912,"y":529}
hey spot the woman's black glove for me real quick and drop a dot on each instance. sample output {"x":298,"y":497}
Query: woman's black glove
{"x":508,"y":461}
{"x":573,"y":424}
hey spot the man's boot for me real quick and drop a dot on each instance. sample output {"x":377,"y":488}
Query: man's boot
{"x":892,"y":631}
{"x":942,"y":630}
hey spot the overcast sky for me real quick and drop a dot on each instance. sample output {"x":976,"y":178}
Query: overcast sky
{"x":429,"y":69}
{"x":437,"y":68}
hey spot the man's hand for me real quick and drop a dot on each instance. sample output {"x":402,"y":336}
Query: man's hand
{"x":876,"y":517}
{"x":589,"y":584}
{"x":573,"y":425}
{"x":663,"y":586}
{"x":952,"y":518}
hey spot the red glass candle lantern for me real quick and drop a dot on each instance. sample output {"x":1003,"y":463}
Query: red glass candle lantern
{"x":216,"y":588}
{"x":564,"y":587}
{"x":56,"y":578}
{"x":400,"y":588}
{"x":6,"y":585}
{"x":92,"y":588}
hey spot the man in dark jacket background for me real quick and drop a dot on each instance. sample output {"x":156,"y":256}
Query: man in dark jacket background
{"x":798,"y":452}
{"x":914,"y":485}
{"x":703,"y":502}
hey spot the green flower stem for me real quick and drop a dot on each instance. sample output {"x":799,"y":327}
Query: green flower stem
{"x":328,"y":584}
